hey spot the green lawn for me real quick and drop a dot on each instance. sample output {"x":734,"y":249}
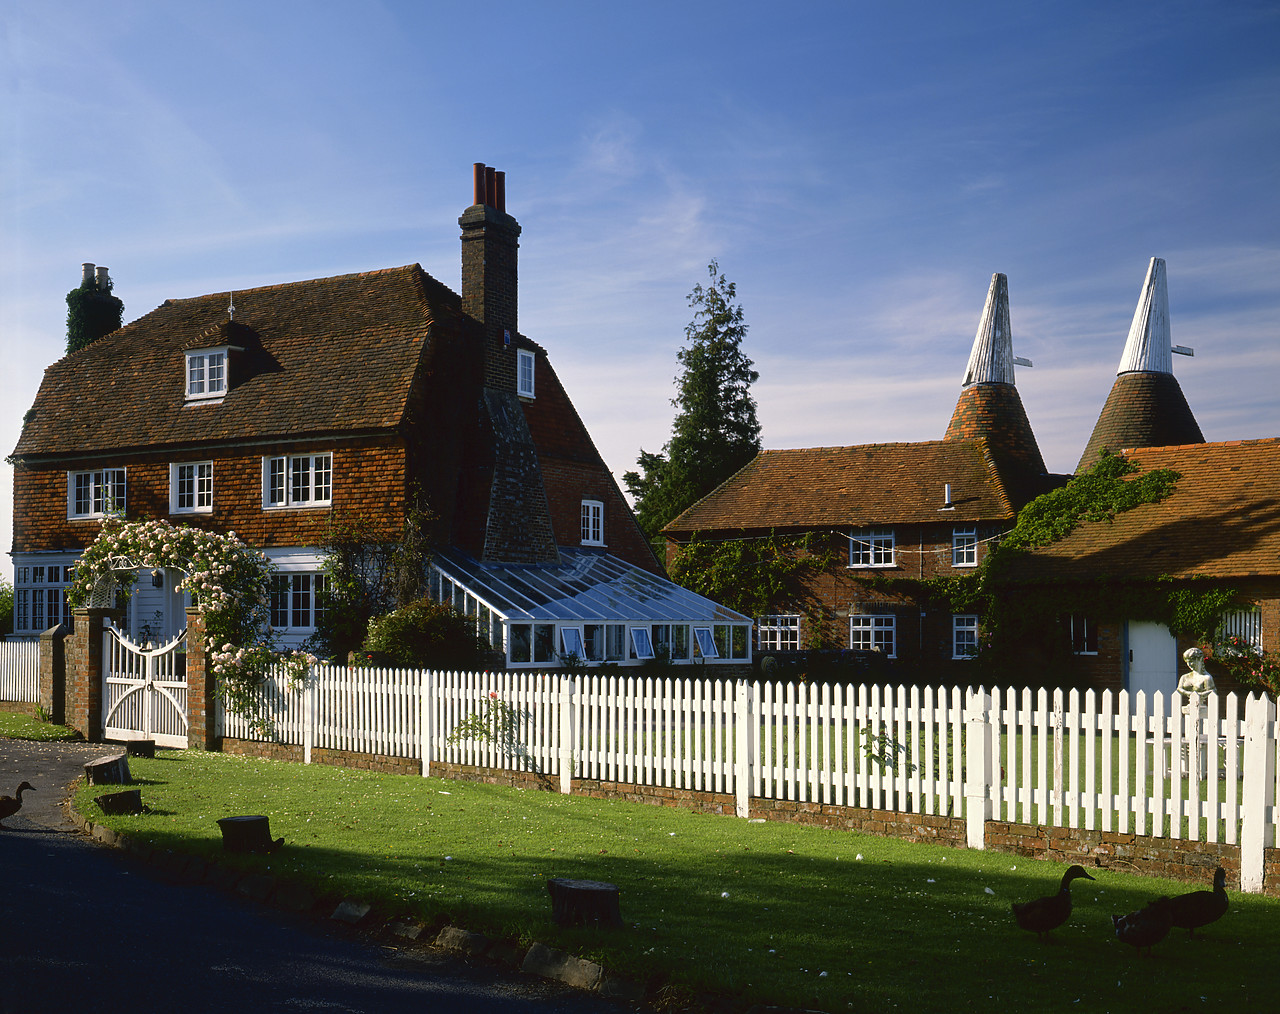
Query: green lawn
{"x":751,"y":911}
{"x":15,"y":725}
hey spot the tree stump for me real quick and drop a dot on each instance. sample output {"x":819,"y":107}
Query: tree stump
{"x":113,"y":770}
{"x":250,"y":833}
{"x":589,"y":902}
{"x":128,"y":801}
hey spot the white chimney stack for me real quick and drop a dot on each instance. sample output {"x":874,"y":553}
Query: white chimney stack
{"x":103,"y":280}
{"x":86,"y":273}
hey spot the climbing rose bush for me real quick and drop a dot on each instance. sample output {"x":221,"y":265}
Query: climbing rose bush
{"x":229,"y":582}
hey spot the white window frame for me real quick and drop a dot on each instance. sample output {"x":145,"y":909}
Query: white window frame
{"x":964,"y":635}
{"x":40,"y":595}
{"x":873,"y":632}
{"x":1244,"y":623}
{"x":206,"y":377}
{"x":964,"y":546}
{"x":704,"y":640}
{"x":281,"y":488}
{"x":302,"y":600}
{"x":778,"y":632}
{"x":100,"y":491}
{"x":593,"y":522}
{"x":872,"y":547}
{"x":525,"y":375}
{"x":572,"y":644}
{"x":201,"y":479}
{"x":641,"y":642}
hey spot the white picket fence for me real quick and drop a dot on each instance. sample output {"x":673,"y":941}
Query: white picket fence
{"x":1094,"y":761}
{"x":20,"y":671}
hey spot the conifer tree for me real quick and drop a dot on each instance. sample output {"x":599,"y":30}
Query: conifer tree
{"x":715,"y":431}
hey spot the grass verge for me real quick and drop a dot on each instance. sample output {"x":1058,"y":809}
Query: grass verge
{"x":750,"y":912}
{"x":16,"y":725}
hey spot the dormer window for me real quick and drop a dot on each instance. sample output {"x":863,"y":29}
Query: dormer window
{"x":592,"y":523}
{"x":206,"y":374}
{"x":524,"y":373}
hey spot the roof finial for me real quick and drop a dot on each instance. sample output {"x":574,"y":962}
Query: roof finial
{"x":231,"y":306}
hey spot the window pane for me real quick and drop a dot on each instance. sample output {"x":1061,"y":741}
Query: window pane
{"x":640,"y":643}
{"x":521,"y":642}
{"x":544,"y":639}
{"x":571,"y":642}
{"x":279,"y":600}
{"x":204,"y":485}
{"x":705,"y":643}
{"x":195,"y":375}
{"x":300,"y":480}
{"x":217,"y":371}
{"x":275,"y":481}
{"x":323,"y":470}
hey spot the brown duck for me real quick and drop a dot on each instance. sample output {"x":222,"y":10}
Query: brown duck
{"x":1199,"y":908}
{"x":1145,"y":927}
{"x":9,"y":805}
{"x":1043,"y":914}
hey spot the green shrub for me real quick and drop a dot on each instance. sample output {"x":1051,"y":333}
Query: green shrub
{"x":425,"y":634}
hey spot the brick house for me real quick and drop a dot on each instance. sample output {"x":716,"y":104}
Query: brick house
{"x":1219,"y":528}
{"x":272,"y":411}
{"x":888,"y":518}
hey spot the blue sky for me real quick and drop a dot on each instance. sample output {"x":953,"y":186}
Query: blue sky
{"x":859,"y":170}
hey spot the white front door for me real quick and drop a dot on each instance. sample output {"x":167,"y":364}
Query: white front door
{"x":1152,"y":661}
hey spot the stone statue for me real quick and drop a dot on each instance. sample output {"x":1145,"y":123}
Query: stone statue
{"x":1195,"y":681}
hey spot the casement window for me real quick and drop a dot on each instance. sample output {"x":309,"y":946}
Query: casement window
{"x":191,"y":488}
{"x":297,"y":601}
{"x":94,"y":494}
{"x":524,"y":373}
{"x":871,"y":547}
{"x":571,"y":644}
{"x":964,"y":636}
{"x":778,"y":633}
{"x":964,"y":547}
{"x":300,"y":480}
{"x":641,"y":643}
{"x":1083,"y":632}
{"x":592,"y":523}
{"x":206,"y":374}
{"x":704,"y":643}
{"x":874,"y":633}
{"x":40,"y":597}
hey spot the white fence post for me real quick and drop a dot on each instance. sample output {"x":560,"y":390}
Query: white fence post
{"x":977,"y":778}
{"x":425,"y":729}
{"x":310,"y":692}
{"x":743,"y":742}
{"x":1259,"y":787}
{"x":564,"y":701}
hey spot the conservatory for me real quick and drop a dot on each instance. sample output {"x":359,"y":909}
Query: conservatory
{"x":588,"y":609}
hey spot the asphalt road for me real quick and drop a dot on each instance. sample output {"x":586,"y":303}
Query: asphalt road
{"x":86,"y":927}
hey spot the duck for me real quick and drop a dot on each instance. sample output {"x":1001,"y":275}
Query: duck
{"x":1145,"y":927}
{"x":1199,"y":908}
{"x":9,"y":805}
{"x":1043,"y":914}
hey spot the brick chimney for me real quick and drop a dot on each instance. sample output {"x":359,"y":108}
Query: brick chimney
{"x":490,"y":241}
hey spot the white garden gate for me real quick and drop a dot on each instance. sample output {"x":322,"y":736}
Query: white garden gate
{"x":144,"y":692}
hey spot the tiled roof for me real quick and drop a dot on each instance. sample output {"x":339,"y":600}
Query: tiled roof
{"x":1144,"y":409}
{"x":995,"y":413}
{"x":871,"y":484}
{"x":326,"y":356}
{"x":1222,"y":521}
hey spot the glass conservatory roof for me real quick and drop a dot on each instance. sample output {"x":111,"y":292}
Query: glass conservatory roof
{"x":587,"y":586}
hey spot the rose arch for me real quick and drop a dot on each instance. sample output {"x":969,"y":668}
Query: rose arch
{"x":228,"y":580}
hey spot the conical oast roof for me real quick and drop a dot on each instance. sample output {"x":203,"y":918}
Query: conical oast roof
{"x":989,"y":406}
{"x":1146,"y":406}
